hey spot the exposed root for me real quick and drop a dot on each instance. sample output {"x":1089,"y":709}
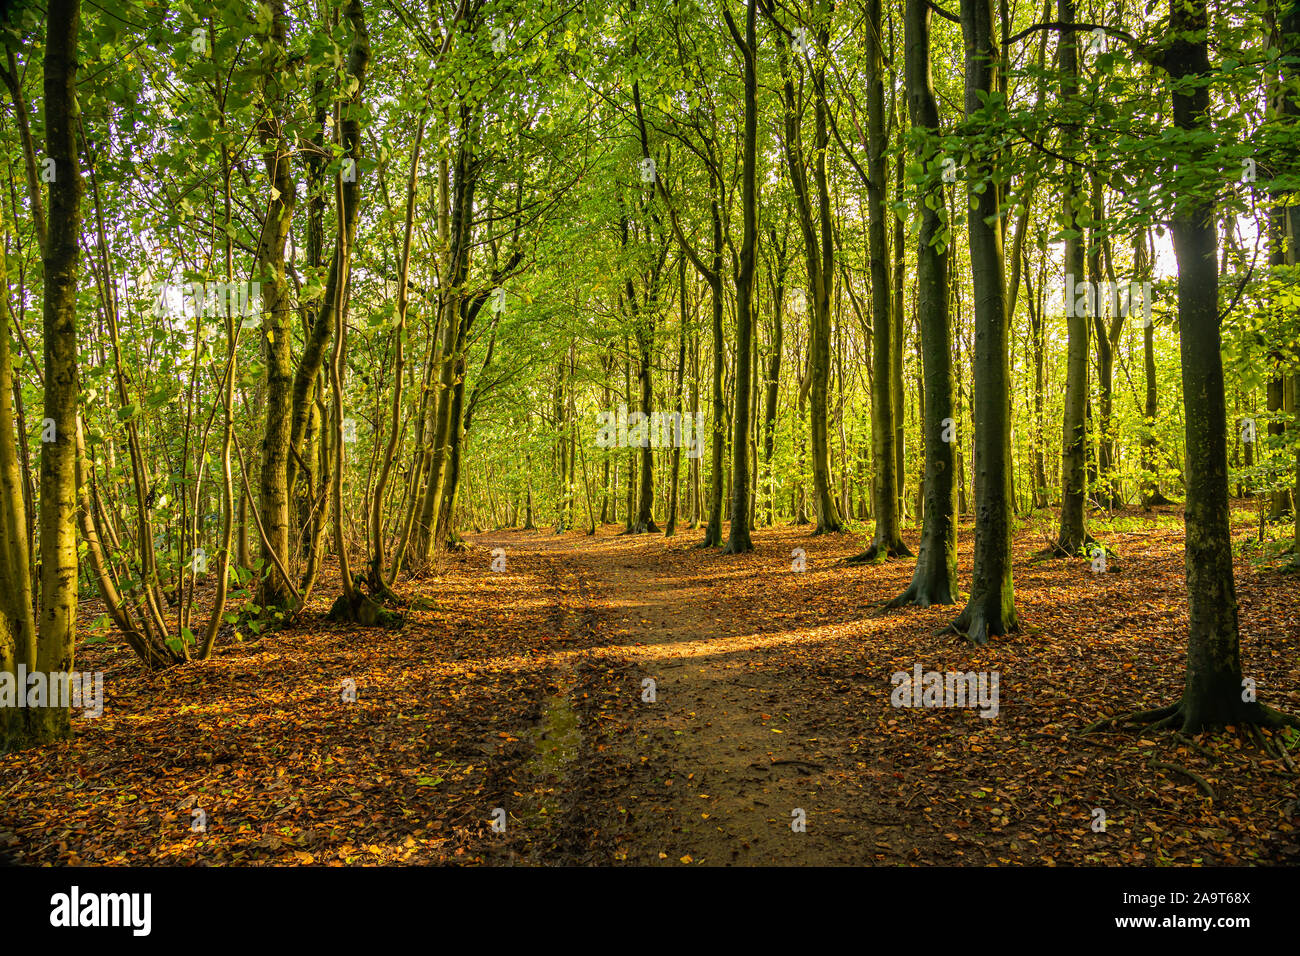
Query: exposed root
{"x":828,"y":529}
{"x":879,"y":552}
{"x":1192,"y":775}
{"x":361,"y":609}
{"x":1175,"y":717}
{"x":873,"y":555}
{"x":919,"y":595}
{"x":1277,"y":748}
{"x":1136,"y":717}
{"x":1188,"y":741}
{"x":1067,"y":549}
{"x":977,"y":626}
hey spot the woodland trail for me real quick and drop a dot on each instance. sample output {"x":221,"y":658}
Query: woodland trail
{"x":727,"y":751}
{"x":773,"y":694}
{"x":518,"y":694}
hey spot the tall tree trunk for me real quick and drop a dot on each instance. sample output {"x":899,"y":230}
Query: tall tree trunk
{"x":233,"y":321}
{"x":17,"y":621}
{"x":717,"y":444}
{"x":1291,"y":108}
{"x":772,"y":383}
{"x":455,"y":441}
{"x":1036,"y":318}
{"x":697,"y":485}
{"x":887,"y":541}
{"x":898,"y":285}
{"x":1212,"y":694}
{"x":739,"y":541}
{"x":308,"y":380}
{"x":934,"y":580}
{"x":1107,"y":334}
{"x":276,"y":337}
{"x":645,"y":521}
{"x":1073,"y":534}
{"x":670,"y":528}
{"x":352,"y":604}
{"x":991,"y":608}
{"x":816,"y":224}
{"x":606,"y":367}
{"x":467,"y":169}
{"x":57,"y":625}
{"x":376,"y":579}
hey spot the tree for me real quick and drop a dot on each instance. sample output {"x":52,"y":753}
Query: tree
{"x":934,"y":580}
{"x":885,"y":398}
{"x":57,"y":625}
{"x":739,"y":541}
{"x":1073,"y":534}
{"x":1212,"y":694}
{"x":991,"y":608}
{"x":815,"y":222}
{"x":274,"y":486}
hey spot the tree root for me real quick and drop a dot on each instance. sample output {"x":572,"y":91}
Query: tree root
{"x":1135,"y":717}
{"x":1174,"y":717}
{"x":1055,"y":549}
{"x":872,"y":555}
{"x":879,"y":552}
{"x":977,"y":626}
{"x":1203,"y":751}
{"x":1200,"y":781}
{"x":361,"y":609}
{"x":918,"y":596}
{"x":1274,"y":748}
{"x":828,"y":529}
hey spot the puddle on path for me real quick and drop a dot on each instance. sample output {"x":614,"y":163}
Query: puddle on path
{"x":556,"y":737}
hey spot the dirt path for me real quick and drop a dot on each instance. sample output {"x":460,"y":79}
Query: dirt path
{"x":519,"y":695}
{"x":772,"y":694}
{"x":718,"y":761}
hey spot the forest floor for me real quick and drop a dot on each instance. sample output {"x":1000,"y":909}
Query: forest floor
{"x":527,"y":689}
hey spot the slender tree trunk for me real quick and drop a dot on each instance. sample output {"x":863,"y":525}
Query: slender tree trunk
{"x":375,"y":577}
{"x":276,"y":337}
{"x":887,"y":541}
{"x":671,"y":528}
{"x":934,"y":581}
{"x":57,"y":625}
{"x":645,"y":521}
{"x":1073,"y":534}
{"x":713,"y":530}
{"x":898,"y":286}
{"x":739,"y":541}
{"x":457,"y":270}
{"x":991,"y":608}
{"x":1212,"y":694}
{"x":17,"y":621}
{"x":815,"y":222}
{"x":1036,"y":332}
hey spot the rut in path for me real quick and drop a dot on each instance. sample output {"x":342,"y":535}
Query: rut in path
{"x":728,"y":755}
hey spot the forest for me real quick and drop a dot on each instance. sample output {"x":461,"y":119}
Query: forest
{"x":650,"y":432}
